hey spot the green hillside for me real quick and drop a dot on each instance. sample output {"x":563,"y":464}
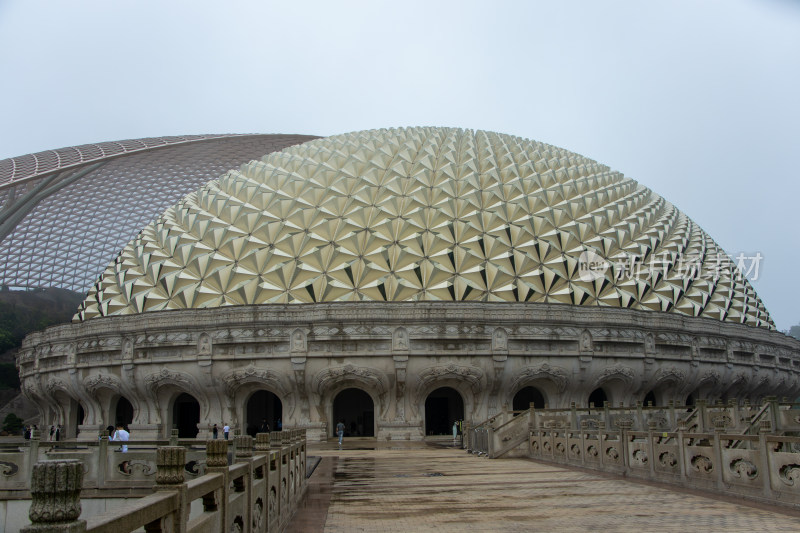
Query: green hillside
{"x":22,"y":312}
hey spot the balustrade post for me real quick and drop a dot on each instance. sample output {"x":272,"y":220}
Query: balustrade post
{"x":624,"y":425}
{"x":217,"y":463}
{"x":719,"y":429}
{"x":701,"y":414}
{"x":764,"y":429}
{"x":56,"y":497}
{"x":33,"y":452}
{"x":102,"y":459}
{"x":170,"y":465}
{"x":681,"y":452}
{"x":774,"y":416}
{"x":262,"y":442}
{"x":244,"y":447}
{"x":671,"y":407}
{"x":652,"y":425}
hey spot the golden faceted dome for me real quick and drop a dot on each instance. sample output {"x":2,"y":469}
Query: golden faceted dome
{"x":416,"y":214}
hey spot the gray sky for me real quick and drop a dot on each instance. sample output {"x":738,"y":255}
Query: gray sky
{"x":697,"y":100}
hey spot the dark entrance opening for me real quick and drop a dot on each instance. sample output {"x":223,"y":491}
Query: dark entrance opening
{"x":79,"y":419}
{"x":355,"y":408}
{"x":527,"y":396}
{"x":186,"y":416}
{"x":263,"y":406}
{"x":598,"y":397}
{"x":443,"y":407}
{"x":650,"y":399}
{"x":124,"y":412}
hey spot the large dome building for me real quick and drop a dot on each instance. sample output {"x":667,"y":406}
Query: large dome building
{"x":398,"y":280}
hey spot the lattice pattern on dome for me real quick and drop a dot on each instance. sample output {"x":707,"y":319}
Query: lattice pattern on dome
{"x":423,"y":214}
{"x":70,"y":236}
{"x":16,"y":169}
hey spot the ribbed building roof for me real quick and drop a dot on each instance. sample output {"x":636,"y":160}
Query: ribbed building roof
{"x":66,"y":213}
{"x":425,"y":214}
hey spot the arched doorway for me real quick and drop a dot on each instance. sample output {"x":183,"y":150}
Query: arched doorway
{"x":650,"y":399}
{"x":443,"y":407}
{"x":598,"y":397}
{"x":263,"y":407}
{"x":186,"y":416}
{"x":527,"y":396}
{"x":356,"y":409}
{"x":80,"y":415}
{"x":123,"y":414}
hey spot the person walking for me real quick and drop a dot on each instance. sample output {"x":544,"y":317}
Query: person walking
{"x":226,"y":429}
{"x":120,"y":435}
{"x":215,"y":432}
{"x":264,"y":426}
{"x":340,"y":431}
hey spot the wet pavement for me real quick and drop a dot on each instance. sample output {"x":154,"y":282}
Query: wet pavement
{"x":366,"y":486}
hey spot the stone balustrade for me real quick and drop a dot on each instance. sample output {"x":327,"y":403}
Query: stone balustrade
{"x":259,"y":492}
{"x":710,"y":447}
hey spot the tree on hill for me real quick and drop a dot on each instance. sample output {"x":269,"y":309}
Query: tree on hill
{"x":12,"y":423}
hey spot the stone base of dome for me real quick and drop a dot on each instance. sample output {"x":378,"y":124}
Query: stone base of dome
{"x":405,"y":360}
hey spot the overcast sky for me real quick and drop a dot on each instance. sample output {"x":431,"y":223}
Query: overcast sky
{"x":697,"y":100}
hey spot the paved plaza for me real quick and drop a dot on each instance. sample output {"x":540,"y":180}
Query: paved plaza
{"x":419,"y":487}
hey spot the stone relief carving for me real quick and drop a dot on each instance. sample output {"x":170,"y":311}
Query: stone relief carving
{"x":235,"y":379}
{"x":649,"y":343}
{"x":617,"y":371}
{"x":470,"y":374}
{"x":370,"y":378}
{"x":92,"y":383}
{"x":400,"y":339}
{"x":127,"y":349}
{"x":586,"y":341}
{"x":298,"y":342}
{"x":500,"y":340}
{"x":204,"y":345}
{"x":544,"y":371}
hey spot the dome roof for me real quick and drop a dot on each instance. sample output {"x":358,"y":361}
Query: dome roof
{"x":425,"y":214}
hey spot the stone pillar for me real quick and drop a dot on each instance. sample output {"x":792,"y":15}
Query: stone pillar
{"x":216,"y":453}
{"x":262,"y":442}
{"x":56,"y":494}
{"x":170,"y":462}
{"x":173,"y":438}
{"x":244,"y":446}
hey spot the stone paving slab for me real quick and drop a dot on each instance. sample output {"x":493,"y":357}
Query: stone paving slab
{"x":443,"y":490}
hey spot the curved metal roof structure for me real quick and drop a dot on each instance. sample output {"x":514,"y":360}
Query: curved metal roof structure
{"x":64,"y":214}
{"x":425,"y":214}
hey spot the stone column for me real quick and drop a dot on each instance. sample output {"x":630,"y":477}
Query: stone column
{"x":56,"y":493}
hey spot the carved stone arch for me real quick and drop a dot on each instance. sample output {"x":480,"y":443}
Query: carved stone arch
{"x":609,"y":376}
{"x":327,"y":383}
{"x":32,"y":390}
{"x":96,"y":383}
{"x":668,"y":383}
{"x":469,"y":381}
{"x":552,"y":381}
{"x":181,"y":382}
{"x":58,"y":390}
{"x":242,"y":383}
